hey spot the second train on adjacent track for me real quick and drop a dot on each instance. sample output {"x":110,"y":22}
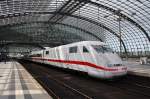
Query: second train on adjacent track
{"x":92,"y":57}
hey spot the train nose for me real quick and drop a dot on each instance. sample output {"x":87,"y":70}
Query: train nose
{"x":114,"y":65}
{"x":122,"y":70}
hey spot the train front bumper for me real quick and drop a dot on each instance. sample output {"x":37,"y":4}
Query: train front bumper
{"x":118,"y":73}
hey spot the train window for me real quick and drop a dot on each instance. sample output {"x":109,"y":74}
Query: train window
{"x":85,"y":50}
{"x":102,"y":49}
{"x":73,"y":49}
{"x":39,"y":55}
{"x":107,"y":49}
{"x":47,"y":52}
{"x":36,"y":55}
{"x":98,"y":48}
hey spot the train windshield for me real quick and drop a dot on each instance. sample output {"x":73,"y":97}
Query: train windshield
{"x":102,"y":49}
{"x":107,"y":49}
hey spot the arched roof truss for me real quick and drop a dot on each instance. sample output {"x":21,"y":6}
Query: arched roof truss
{"x":99,"y":19}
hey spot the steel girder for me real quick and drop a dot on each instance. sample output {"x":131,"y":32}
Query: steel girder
{"x":72,"y":9}
{"x":86,"y":19}
{"x":95,"y":4}
{"x":119,"y":14}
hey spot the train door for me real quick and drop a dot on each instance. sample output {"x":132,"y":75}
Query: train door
{"x":58,"y":56}
{"x":42,"y":56}
{"x":63,"y":56}
{"x":73,"y":57}
{"x":46,"y":56}
{"x":86,"y":56}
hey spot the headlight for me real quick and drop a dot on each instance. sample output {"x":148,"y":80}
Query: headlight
{"x":110,"y":65}
{"x":115,"y":65}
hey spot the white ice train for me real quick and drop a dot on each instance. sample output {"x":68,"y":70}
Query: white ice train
{"x":92,"y":57}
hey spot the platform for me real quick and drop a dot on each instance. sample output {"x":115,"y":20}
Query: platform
{"x":137,"y":69}
{"x":17,"y":83}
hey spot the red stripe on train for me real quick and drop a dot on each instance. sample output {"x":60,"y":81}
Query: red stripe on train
{"x":78,"y":63}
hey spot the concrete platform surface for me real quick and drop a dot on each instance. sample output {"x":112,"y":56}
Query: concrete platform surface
{"x":137,"y":69}
{"x":17,"y":83}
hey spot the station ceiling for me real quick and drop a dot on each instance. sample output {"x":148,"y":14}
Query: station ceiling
{"x":56,"y":22}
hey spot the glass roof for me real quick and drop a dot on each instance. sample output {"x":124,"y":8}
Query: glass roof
{"x":84,"y":19}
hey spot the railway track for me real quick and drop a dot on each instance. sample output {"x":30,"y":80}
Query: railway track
{"x":138,"y":85}
{"x":56,"y":88}
{"x":64,"y":85}
{"x":127,"y":84}
{"x":132,"y":88}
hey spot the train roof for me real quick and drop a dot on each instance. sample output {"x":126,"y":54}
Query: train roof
{"x":86,"y":43}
